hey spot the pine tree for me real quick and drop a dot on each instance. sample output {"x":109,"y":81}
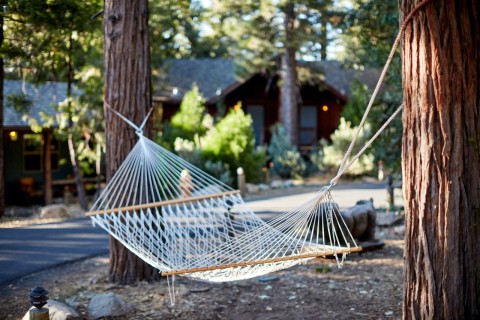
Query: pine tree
{"x":270,"y":36}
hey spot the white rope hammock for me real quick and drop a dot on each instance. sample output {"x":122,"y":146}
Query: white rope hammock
{"x":182,"y":221}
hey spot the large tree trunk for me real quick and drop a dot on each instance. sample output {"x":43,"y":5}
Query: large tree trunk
{"x":72,"y":148}
{"x":127,"y":90}
{"x":2,"y":176}
{"x":289,"y":89}
{"x":441,"y":160}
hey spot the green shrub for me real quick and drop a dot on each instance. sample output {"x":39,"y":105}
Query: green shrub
{"x":231,"y":141}
{"x":332,"y":154}
{"x":189,"y":120}
{"x":287,"y":160}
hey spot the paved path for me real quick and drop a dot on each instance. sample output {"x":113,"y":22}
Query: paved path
{"x":26,"y":250}
{"x":346,"y":195}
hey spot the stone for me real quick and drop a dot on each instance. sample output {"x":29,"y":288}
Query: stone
{"x":263,"y":187}
{"x":287,"y":184}
{"x":107,"y":305}
{"x":399,"y":230}
{"x":252,"y":188}
{"x":54,"y":211}
{"x":57,"y":311}
{"x":276,"y":184}
{"x":361,"y":220}
{"x":389,"y":219}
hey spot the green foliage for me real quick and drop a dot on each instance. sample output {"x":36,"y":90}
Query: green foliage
{"x":258,"y":35}
{"x":188,"y":121}
{"x":332,"y":154}
{"x":217,"y":148}
{"x":370,"y":29}
{"x":231,"y":141}
{"x":19,"y":102}
{"x":60,"y":42}
{"x":357,"y":103}
{"x":287,"y":160}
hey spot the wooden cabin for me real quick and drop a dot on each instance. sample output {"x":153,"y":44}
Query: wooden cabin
{"x":35,"y":164}
{"x":321,"y":106}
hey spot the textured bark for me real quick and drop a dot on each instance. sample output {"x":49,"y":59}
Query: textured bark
{"x":127,"y":90}
{"x":47,"y":168}
{"x":72,"y":148}
{"x":2,"y":176}
{"x":289,"y":88}
{"x":441,"y":160}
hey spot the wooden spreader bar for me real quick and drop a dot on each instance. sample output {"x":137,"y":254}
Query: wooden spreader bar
{"x":261,"y":261}
{"x":162,"y":203}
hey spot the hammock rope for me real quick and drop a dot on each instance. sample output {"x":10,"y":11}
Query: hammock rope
{"x":183,"y":221}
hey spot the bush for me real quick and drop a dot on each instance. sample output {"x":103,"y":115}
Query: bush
{"x":231,"y":141}
{"x":287,"y":160}
{"x":332,"y":154}
{"x":189,"y":120}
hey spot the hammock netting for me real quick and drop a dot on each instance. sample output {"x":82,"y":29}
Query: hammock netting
{"x":183,"y":221}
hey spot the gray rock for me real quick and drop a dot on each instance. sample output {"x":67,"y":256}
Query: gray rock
{"x":107,"y":305}
{"x":57,"y":311}
{"x":252,"y":188}
{"x":287,"y":184}
{"x":389,"y":219}
{"x":263,"y":186}
{"x":54,"y":211}
{"x":276,"y":184}
{"x":361,"y":219}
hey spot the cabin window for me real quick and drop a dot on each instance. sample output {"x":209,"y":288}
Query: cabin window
{"x":257,"y":112}
{"x":308,"y":125}
{"x":33,"y":152}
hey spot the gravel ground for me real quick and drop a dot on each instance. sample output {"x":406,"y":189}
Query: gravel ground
{"x":369,"y":286}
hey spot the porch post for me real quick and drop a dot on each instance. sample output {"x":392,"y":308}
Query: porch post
{"x":47,"y":166}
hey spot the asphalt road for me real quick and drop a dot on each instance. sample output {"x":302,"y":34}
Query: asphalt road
{"x":26,"y":250}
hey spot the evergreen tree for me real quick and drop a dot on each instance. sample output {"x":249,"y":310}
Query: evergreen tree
{"x":270,"y":36}
{"x":370,"y":30}
{"x":51,"y":41}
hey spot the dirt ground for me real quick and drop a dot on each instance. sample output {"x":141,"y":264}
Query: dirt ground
{"x":369,"y":286}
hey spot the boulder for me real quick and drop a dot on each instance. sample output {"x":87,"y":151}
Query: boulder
{"x":361,"y":219}
{"x":54,"y":211}
{"x":57,"y":311}
{"x":276,"y":184}
{"x":263,"y":187}
{"x":107,"y":305}
{"x":287,"y":184}
{"x":252,"y":188}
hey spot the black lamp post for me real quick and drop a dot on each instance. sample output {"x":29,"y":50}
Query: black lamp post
{"x":38,"y":298}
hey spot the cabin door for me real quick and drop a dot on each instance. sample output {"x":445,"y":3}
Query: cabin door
{"x":257,"y":112}
{"x":308,"y":125}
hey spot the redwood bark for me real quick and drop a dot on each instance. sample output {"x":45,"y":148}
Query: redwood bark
{"x":441,"y":160}
{"x":289,"y":88}
{"x":47,"y":168}
{"x":127,"y":90}
{"x":2,"y":176}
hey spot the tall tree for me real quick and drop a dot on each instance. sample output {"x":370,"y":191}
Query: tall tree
{"x":128,"y":91}
{"x":441,"y":160}
{"x":55,"y":38}
{"x":270,"y":36}
{"x":370,"y":28}
{"x":2,"y":176}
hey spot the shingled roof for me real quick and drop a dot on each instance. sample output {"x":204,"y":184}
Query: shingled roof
{"x":44,"y":97}
{"x":213,"y":76}
{"x":341,"y":78}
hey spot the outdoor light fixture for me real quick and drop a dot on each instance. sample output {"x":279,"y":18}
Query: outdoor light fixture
{"x":325,"y":108}
{"x":13,"y":135}
{"x":175,"y":91}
